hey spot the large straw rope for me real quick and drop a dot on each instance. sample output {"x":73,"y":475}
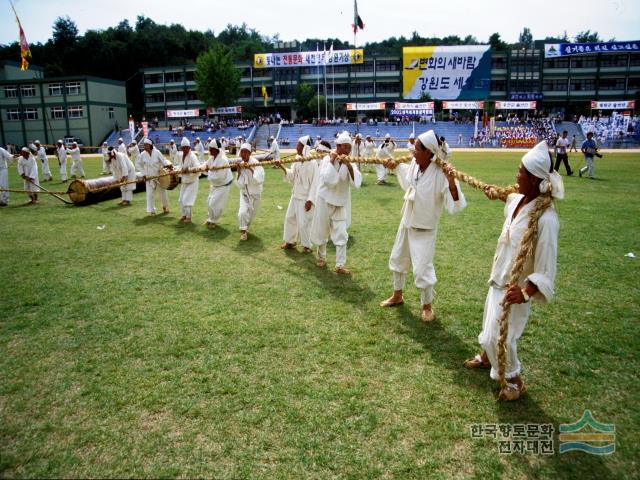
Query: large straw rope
{"x":493,"y":191}
{"x":525,"y":251}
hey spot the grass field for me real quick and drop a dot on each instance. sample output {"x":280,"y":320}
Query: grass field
{"x":155,"y":349}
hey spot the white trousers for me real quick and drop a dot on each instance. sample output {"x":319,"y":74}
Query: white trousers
{"x":297,"y":222}
{"x":46,"y":171}
{"x":330,"y":221}
{"x":187,"y":198}
{"x":4,"y":183}
{"x":589,"y":167}
{"x":249,"y":205}
{"x":381,"y":172}
{"x":413,"y":249}
{"x":153,"y":189}
{"x":127,"y":193}
{"x":217,"y":201}
{"x":76,"y":168}
{"x":63,"y":170}
{"x":105,"y":168}
{"x":490,"y":334}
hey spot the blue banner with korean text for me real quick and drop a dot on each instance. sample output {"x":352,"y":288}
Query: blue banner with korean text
{"x":552,"y":50}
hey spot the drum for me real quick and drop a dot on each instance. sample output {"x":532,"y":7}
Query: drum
{"x":167,"y":182}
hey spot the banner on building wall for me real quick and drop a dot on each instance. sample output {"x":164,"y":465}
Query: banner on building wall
{"x":502,"y":105}
{"x":462,"y":105}
{"x":553,"y":50}
{"x":613,"y":105}
{"x":402,"y":108}
{"x":366,"y":106}
{"x":194,"y":112}
{"x":224,"y":110}
{"x":526,"y":96}
{"x":308,"y":59}
{"x":446,"y":73}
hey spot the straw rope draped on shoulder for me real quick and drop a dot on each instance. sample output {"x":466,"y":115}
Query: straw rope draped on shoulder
{"x":525,"y":251}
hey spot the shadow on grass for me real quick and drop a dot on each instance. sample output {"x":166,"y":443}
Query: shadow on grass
{"x":251,"y":245}
{"x":217,"y":233}
{"x":448,"y":350}
{"x":158,"y":218}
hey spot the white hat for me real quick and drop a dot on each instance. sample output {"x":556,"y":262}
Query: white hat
{"x":147,"y":142}
{"x":172,"y":141}
{"x":305,"y":140}
{"x":209,"y":139}
{"x":343,"y":138}
{"x":387,"y":136}
{"x":120,"y":139}
{"x":105,"y":143}
{"x":322,"y":148}
{"x":215,"y":143}
{"x":133,"y":142}
{"x":271,"y":137}
{"x":412,"y":135}
{"x":429,"y":141}
{"x":60,"y":141}
{"x":185,"y":142}
{"x":37,"y":141}
{"x":538,"y":162}
{"x":25,"y":149}
{"x":197,"y":139}
{"x":368,"y":136}
{"x":318,"y":137}
{"x":246,"y":146}
{"x":358,"y":135}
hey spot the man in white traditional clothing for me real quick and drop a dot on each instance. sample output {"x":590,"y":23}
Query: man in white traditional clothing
{"x":133,"y":152}
{"x":76,"y":160}
{"x":303,"y":177}
{"x":333,"y":199}
{"x":123,"y":170}
{"x":198,"y":148}
{"x":428,"y":189}
{"x":41,"y":154}
{"x":173,"y":152}
{"x":318,"y":140}
{"x":152,"y":163}
{"x":220,"y":180}
{"x":105,"y":158}
{"x":122,"y":148}
{"x":537,"y":280}
{"x":62,"y":160}
{"x":5,"y":159}
{"x":189,"y":166}
{"x":411,"y":144}
{"x":385,"y":152}
{"x":28,"y":170}
{"x":250,"y":181}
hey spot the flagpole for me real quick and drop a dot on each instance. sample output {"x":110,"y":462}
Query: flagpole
{"x":318,"y":78}
{"x":333,"y":86}
{"x":326,"y":113}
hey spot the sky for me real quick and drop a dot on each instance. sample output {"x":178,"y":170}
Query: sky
{"x":302,"y":19}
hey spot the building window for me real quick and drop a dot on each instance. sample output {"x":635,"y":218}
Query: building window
{"x":73,"y":88}
{"x":556,"y":63}
{"x":55,"y":89}
{"x":558,"y":85}
{"x":499,"y":63}
{"x":499,"y":85}
{"x":112,"y":113}
{"x":154,"y":97}
{"x":634,"y":61}
{"x":153,"y":78}
{"x":175,"y":96}
{"x":387,"y":65}
{"x":611,"y":84}
{"x":57,"y":113}
{"x":583,"y":61}
{"x":28,"y":90}
{"x":633,"y":84}
{"x":30,"y":113}
{"x":582,"y":85}
{"x":174,"y":77}
{"x":189,"y":76}
{"x":613,"y":61}
{"x":11,"y":91}
{"x":13,"y":114}
{"x":75,"y":112}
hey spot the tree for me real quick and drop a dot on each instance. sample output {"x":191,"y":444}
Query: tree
{"x":217,"y":80}
{"x":65,"y":32}
{"x":496,"y":42}
{"x":526,"y":38}
{"x":587,"y":36}
{"x":305,"y":108}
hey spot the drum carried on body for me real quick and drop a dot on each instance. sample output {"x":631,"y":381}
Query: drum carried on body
{"x":168,"y":179}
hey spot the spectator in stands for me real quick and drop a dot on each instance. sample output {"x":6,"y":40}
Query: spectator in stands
{"x":561,"y":153}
